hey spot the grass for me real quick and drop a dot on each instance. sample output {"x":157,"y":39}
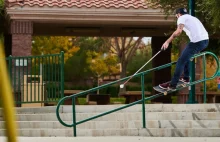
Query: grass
{"x":82,"y":101}
{"x":119,"y":100}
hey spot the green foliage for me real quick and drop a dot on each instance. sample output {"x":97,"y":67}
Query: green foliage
{"x":82,"y":101}
{"x":112,"y":64}
{"x":96,"y":63}
{"x":54,"y":45}
{"x":112,"y":90}
{"x":138,"y":60}
{"x":52,"y":90}
{"x":96,"y":44}
{"x":169,"y":6}
{"x":214,"y":46}
{"x":76,"y":67}
{"x":75,"y":87}
{"x":102,"y":64}
{"x":209,"y":12}
{"x":2,"y":18}
{"x":1,"y":36}
{"x":114,"y":100}
{"x":211,"y":85}
{"x":206,"y":10}
{"x":2,"y":3}
{"x":124,"y":48}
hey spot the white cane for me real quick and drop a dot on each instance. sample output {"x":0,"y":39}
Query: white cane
{"x":122,"y":85}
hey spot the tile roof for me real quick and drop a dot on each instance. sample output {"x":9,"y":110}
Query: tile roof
{"x":136,"y":4}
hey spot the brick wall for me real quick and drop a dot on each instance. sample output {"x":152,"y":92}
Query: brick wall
{"x":21,"y":44}
{"x":21,"y":31}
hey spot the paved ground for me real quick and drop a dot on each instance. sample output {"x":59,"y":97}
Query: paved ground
{"x":115,"y":139}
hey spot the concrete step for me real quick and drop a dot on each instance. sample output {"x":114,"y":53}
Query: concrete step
{"x":149,"y":132}
{"x":135,"y":108}
{"x":123,"y":116}
{"x":215,"y":124}
{"x":115,"y":139}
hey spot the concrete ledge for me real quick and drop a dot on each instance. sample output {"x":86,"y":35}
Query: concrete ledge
{"x":115,"y":139}
{"x":144,"y":132}
{"x":135,"y":108}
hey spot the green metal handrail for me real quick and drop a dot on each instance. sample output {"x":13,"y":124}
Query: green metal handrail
{"x":73,"y":97}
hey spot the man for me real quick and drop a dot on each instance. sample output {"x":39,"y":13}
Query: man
{"x":198,"y":41}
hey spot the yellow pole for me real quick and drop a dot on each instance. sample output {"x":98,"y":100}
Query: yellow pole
{"x":7,"y":99}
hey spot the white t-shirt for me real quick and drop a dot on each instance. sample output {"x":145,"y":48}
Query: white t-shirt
{"x":193,"y":27}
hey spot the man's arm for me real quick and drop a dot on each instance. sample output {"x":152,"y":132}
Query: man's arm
{"x":174,"y":35}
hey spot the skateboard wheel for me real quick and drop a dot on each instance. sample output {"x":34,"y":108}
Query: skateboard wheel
{"x":165,"y":93}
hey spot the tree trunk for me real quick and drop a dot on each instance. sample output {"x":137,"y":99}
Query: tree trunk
{"x":98,"y":84}
{"x":123,"y":74}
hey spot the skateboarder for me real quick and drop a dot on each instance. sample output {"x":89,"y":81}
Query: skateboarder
{"x":199,"y":39}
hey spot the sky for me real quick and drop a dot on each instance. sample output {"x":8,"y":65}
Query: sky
{"x":145,"y":39}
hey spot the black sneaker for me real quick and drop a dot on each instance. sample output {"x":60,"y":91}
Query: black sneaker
{"x":185,"y":80}
{"x":167,"y":86}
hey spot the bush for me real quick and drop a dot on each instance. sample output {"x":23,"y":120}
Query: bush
{"x":112,"y":90}
{"x":74,"y":87}
{"x":53,"y":90}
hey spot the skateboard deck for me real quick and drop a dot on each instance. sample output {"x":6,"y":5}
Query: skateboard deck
{"x":165,"y":91}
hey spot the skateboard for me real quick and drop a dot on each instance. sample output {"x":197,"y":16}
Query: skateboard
{"x":165,"y":91}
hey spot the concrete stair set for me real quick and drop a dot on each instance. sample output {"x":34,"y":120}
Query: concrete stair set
{"x":162,"y":120}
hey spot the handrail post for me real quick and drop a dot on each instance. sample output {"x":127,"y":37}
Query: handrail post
{"x":192,"y":95}
{"x":10,"y":67}
{"x":74,"y":116}
{"x":204,"y":77}
{"x":143,"y":101}
{"x":192,"y":99}
{"x":62,"y":73}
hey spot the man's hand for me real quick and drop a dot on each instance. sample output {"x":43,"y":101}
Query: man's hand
{"x":175,"y":34}
{"x":165,"y":45}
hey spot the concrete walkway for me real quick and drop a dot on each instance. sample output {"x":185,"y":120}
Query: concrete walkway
{"x":115,"y":139}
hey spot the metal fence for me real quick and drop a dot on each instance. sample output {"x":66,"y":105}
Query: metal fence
{"x":37,"y":80}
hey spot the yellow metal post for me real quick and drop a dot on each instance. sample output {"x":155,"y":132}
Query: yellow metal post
{"x":7,"y":99}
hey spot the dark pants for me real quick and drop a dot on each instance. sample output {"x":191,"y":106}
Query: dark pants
{"x":184,"y":60}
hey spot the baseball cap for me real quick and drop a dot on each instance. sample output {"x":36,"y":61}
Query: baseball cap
{"x":181,"y":11}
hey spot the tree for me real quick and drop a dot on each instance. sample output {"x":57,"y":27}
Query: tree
{"x":54,"y":44}
{"x":209,"y":11}
{"x":1,"y":18}
{"x":77,"y":67}
{"x":124,"y":48}
{"x":101,"y":65}
{"x":206,"y":10}
{"x":140,"y":58}
{"x":112,"y":64}
{"x":80,"y":66}
{"x":2,"y":4}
